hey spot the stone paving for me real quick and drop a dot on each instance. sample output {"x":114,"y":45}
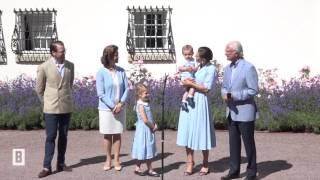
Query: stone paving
{"x":291,"y":156}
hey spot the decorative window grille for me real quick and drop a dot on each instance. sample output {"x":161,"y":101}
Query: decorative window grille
{"x":33,"y":32}
{"x":3,"y":53}
{"x":149,"y":35}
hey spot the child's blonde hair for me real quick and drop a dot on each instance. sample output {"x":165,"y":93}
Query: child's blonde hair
{"x":140,"y":88}
{"x":187,"y":47}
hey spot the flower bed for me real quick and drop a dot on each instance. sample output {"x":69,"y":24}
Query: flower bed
{"x":290,"y":106}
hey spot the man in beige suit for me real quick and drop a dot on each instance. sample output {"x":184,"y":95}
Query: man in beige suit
{"x":54,"y":88}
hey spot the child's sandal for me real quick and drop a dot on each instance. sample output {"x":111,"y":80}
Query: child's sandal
{"x":153,"y":174}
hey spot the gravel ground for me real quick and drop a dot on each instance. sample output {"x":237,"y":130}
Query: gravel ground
{"x":292,"y":156}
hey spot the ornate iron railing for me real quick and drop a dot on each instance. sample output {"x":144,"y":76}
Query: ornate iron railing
{"x":149,"y":34}
{"x":3,"y":52}
{"x":33,"y":32}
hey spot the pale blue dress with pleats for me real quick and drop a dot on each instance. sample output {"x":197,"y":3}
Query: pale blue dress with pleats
{"x":196,"y":127}
{"x":144,"y":145}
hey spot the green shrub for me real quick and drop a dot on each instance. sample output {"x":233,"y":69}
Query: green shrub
{"x":131,"y":119}
{"x":84,"y":119}
{"x":220,"y":120}
{"x":274,"y":126}
{"x":294,"y":121}
{"x":27,"y":121}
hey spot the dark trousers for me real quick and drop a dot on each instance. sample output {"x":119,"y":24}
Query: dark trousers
{"x":246,"y":131}
{"x":53,"y":123}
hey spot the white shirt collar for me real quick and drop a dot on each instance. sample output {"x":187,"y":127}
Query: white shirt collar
{"x":142,"y":103}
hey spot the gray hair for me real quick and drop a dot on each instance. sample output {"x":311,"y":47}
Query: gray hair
{"x":236,"y":45}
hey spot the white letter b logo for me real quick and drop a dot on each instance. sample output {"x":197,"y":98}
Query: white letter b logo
{"x":18,"y":157}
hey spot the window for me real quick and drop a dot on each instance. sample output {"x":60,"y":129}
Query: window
{"x":34,"y":30}
{"x":149,"y":35}
{"x":3,"y":53}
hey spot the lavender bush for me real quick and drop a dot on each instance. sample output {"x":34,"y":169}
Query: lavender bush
{"x":292,"y":105}
{"x":19,"y":105}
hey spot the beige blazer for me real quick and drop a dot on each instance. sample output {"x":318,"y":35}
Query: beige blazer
{"x":54,"y":91}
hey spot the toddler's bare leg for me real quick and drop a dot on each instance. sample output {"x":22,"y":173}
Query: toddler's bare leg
{"x":191,"y":92}
{"x":185,"y":96}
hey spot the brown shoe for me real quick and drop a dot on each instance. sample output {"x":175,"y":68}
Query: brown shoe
{"x":44,"y":173}
{"x":63,"y":167}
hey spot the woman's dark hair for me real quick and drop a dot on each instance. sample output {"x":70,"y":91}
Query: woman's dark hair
{"x":205,"y":53}
{"x":53,"y":46}
{"x":108,"y":53}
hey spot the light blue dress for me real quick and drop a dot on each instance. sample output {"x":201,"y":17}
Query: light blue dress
{"x":144,"y":145}
{"x":196,"y":127}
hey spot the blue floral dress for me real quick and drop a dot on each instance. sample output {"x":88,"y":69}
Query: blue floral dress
{"x":196,"y":127}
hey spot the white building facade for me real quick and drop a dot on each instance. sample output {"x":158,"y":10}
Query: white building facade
{"x":281,"y":34}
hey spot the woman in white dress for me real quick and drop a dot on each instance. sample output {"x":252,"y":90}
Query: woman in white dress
{"x":112,"y":91}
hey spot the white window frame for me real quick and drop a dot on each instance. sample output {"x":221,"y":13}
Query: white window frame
{"x":36,"y":22}
{"x":34,"y":30}
{"x":149,"y":35}
{"x":143,"y":34}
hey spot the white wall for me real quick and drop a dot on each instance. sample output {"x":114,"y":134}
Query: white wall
{"x":275,"y":34}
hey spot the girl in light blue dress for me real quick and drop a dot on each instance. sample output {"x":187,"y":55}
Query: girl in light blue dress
{"x":196,"y":127}
{"x":144,"y":145}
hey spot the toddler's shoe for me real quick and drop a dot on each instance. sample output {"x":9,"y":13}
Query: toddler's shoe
{"x":184,"y":106}
{"x":153,"y":174}
{"x":190,"y":101}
